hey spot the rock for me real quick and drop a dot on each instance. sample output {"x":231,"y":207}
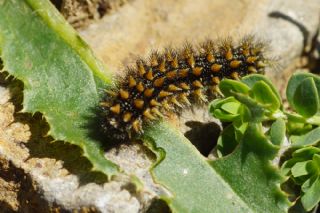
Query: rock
{"x":60,"y":187}
{"x":288,"y":28}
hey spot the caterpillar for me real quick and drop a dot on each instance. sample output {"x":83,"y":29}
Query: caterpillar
{"x":174,"y":79}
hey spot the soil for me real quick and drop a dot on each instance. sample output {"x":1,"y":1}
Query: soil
{"x":80,"y":13}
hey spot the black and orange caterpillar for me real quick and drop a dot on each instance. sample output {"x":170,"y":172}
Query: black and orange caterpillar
{"x":173,"y":79}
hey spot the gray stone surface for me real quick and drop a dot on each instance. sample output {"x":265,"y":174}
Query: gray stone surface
{"x":55,"y":182}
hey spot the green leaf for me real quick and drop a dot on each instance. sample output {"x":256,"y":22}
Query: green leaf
{"x":286,"y":166}
{"x":257,"y":110}
{"x":213,"y":105}
{"x":306,"y":152}
{"x":316,"y":163}
{"x":278,"y":132}
{"x":305,"y":98}
{"x":225,"y":109}
{"x":228,"y":86}
{"x":240,"y":128}
{"x":231,"y":107}
{"x":250,"y":80}
{"x":304,"y":167}
{"x":297,"y":125}
{"x":300,"y":169}
{"x":314,"y":120}
{"x":295,"y":81}
{"x":241,"y":182}
{"x":256,"y":141}
{"x":312,"y":196}
{"x":262,"y":93}
{"x":311,"y":91}
{"x":224,"y":116}
{"x":56,"y":21}
{"x":254,"y":167}
{"x":311,"y":138}
{"x":227,"y":141}
{"x":62,"y":79}
{"x":308,"y":183}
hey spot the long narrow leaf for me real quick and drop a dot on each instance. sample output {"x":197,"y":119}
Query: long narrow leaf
{"x":230,"y":184}
{"x":60,"y":80}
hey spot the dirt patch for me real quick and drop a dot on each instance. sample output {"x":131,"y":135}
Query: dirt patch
{"x":80,"y":13}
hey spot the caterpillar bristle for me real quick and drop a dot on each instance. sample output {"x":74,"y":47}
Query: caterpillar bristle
{"x":199,"y":95}
{"x":197,"y":84}
{"x":175,"y":79}
{"x":140,"y":87}
{"x":191,"y":61}
{"x":228,"y":53}
{"x":208,"y":46}
{"x":175,"y":62}
{"x":174,"y":101}
{"x":235,"y":75}
{"x":225,"y":45}
{"x":138,"y":103}
{"x":166,"y":105}
{"x":127,"y":117}
{"x":159,"y":82}
{"x":183,"y":73}
{"x":124,"y":94}
{"x":148,"y":114}
{"x":216,"y":67}
{"x":115,"y":109}
{"x":148,"y":92}
{"x":215,"y":80}
{"x":197,"y":71}
{"x":163,"y":94}
{"x":141,"y":67}
{"x":171,"y":74}
{"x":136,"y":125}
{"x":252,"y":69}
{"x":154,"y":58}
{"x":149,"y":75}
{"x":184,"y":98}
{"x":132,"y":82}
{"x":235,"y":63}
{"x":157,"y":112}
{"x":173,"y":88}
{"x":210,"y":58}
{"x":184,"y":86}
{"x":187,"y":51}
{"x":162,"y":66}
{"x":170,"y":54}
{"x":153,"y":102}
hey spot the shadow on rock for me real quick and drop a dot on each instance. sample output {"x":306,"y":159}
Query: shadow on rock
{"x":203,"y":136}
{"x":40,"y":145}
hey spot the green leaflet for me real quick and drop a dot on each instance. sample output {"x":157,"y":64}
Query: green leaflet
{"x":304,"y":169}
{"x":305,"y":99}
{"x":58,"y":81}
{"x":311,"y":138}
{"x":303,"y":93}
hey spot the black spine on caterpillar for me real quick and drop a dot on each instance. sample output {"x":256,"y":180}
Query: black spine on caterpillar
{"x":175,"y":79}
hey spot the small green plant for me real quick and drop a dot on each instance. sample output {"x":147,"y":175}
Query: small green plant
{"x":254,"y":107}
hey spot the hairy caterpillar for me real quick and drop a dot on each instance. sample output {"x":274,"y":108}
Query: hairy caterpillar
{"x":174,"y":79}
